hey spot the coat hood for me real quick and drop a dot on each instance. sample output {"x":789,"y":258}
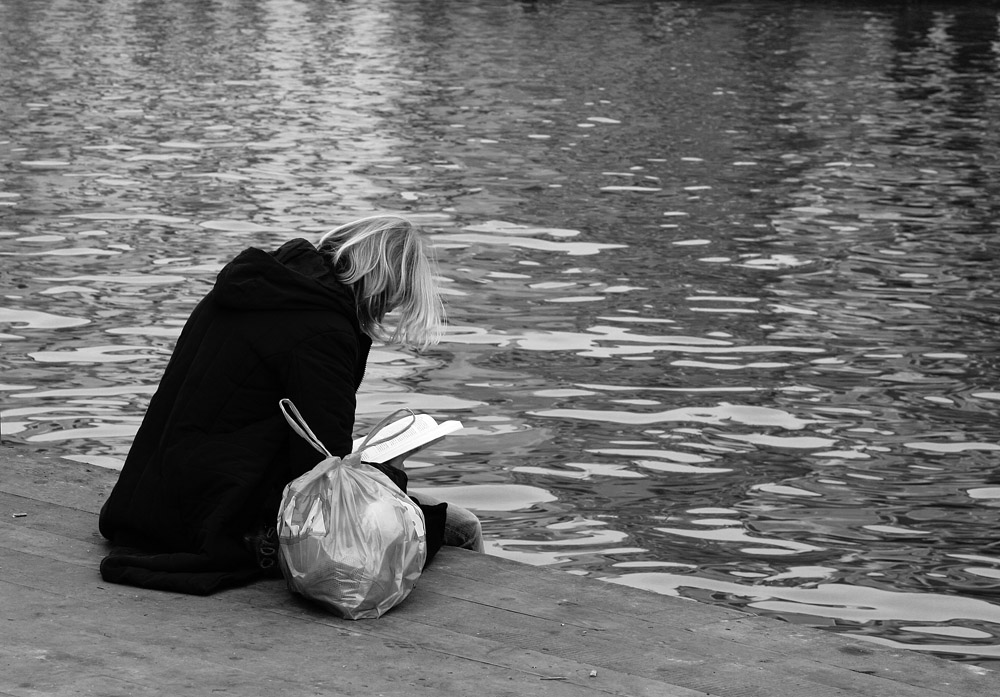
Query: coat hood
{"x":294,"y":277}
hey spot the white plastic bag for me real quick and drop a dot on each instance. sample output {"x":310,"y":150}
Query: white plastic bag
{"x":348,"y":537}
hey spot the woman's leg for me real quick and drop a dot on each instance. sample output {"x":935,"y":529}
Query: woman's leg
{"x":463,"y":529}
{"x":461,"y":526}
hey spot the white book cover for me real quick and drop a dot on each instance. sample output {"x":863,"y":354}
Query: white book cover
{"x":405,"y":435}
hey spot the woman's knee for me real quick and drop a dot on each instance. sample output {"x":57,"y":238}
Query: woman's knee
{"x":463,"y":529}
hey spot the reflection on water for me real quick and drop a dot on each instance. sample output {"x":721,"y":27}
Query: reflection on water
{"x":720,"y":275}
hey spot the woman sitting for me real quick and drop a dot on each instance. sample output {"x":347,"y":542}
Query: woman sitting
{"x":195,"y":505}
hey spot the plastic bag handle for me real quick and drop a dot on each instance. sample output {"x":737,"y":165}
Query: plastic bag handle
{"x":299,"y":425}
{"x":368,"y":442}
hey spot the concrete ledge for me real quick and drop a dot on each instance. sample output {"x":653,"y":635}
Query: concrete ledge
{"x":475,"y":625}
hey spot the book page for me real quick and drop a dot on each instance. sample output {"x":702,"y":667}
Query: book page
{"x":411,"y":434}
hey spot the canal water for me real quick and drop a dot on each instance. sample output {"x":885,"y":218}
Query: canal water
{"x":721,"y":276}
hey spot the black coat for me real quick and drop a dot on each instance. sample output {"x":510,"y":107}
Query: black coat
{"x":213,"y":452}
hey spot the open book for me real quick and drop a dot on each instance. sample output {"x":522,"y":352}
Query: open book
{"x":408,"y":433}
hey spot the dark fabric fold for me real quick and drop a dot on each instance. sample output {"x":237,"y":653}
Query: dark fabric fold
{"x":178,"y":573}
{"x":434,"y":517}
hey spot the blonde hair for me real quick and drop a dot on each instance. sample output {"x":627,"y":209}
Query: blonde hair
{"x":390,"y":266}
